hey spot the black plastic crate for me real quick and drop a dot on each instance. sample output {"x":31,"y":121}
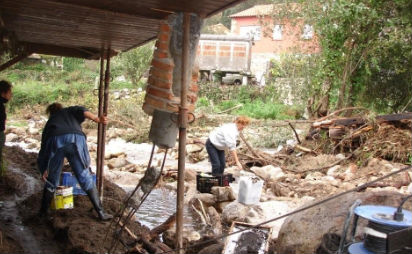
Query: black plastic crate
{"x":205,"y":182}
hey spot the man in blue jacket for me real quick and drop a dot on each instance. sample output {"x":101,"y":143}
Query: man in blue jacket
{"x":63,"y":137}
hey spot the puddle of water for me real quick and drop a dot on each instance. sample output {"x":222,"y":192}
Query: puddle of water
{"x":159,"y":206}
{"x":10,"y":216}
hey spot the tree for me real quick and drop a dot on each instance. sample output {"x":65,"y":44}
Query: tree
{"x":366,"y":47}
{"x":136,"y":62}
{"x":366,"y":50}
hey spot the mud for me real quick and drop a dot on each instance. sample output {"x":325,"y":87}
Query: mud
{"x":65,"y":231}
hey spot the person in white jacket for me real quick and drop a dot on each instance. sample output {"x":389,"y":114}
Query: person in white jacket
{"x":222,"y":138}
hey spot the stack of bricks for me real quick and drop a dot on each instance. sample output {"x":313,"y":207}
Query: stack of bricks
{"x":159,"y":91}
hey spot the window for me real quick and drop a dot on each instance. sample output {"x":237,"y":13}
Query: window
{"x":307,"y":32}
{"x":253,"y":31}
{"x":277,"y":32}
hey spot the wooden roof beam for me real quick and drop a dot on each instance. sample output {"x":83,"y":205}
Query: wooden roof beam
{"x":61,"y":51}
{"x":116,"y":7}
{"x":224,"y":8}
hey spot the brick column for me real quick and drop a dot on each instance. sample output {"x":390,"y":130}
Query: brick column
{"x":163,"y":89}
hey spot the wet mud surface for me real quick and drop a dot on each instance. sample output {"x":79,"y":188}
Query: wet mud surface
{"x":64,"y":231}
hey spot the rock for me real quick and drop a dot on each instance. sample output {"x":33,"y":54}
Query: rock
{"x":236,"y":211}
{"x":223,"y":193}
{"x":280,"y":189}
{"x":212,"y":249}
{"x":19,"y":131}
{"x":347,"y":186}
{"x":190,"y":175}
{"x":92,"y":139}
{"x":206,"y":198}
{"x":113,"y":152}
{"x":314,"y":176}
{"x":92,"y":147}
{"x":268,"y":172}
{"x":117,"y":162}
{"x":193,"y":148}
{"x":169,"y":237}
{"x":326,"y":218}
{"x":340,"y":156}
{"x":192,"y":236}
{"x":11,"y":137}
{"x":116,"y":95}
{"x":333,"y":171}
{"x":33,"y":131}
{"x":32,"y":145}
{"x":221,"y":206}
{"x":30,"y":140}
{"x":215,"y":220}
{"x":171,"y":185}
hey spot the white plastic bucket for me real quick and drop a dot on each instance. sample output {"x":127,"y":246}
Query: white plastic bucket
{"x":250,"y":189}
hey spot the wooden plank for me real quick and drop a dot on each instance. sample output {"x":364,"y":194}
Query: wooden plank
{"x":134,"y":8}
{"x":65,"y":12}
{"x":121,"y":33}
{"x":349,"y":121}
{"x":58,"y":50}
{"x":395,"y":117}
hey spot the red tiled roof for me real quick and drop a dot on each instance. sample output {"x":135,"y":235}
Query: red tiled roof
{"x":263,"y":10}
{"x":257,"y":10}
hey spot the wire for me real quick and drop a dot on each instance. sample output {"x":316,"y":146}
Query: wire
{"x":356,"y":189}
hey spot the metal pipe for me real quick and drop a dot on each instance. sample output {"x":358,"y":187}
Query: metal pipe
{"x":346,"y":225}
{"x":182,"y":133}
{"x":105,"y":108}
{"x":99,"y":159}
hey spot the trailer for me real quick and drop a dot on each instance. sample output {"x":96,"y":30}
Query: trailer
{"x":230,"y":55}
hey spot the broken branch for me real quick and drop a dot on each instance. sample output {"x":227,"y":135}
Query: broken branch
{"x":296,"y":134}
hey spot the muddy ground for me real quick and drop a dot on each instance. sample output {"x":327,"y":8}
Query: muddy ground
{"x":66,"y":231}
{"x":295,"y":174}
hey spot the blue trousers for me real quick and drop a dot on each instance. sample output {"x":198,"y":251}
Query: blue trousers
{"x":216,"y":157}
{"x":82,"y":174}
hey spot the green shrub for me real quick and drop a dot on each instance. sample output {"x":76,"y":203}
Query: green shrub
{"x":31,"y":93}
{"x":202,"y":102}
{"x":121,"y":85}
{"x":261,"y":110}
{"x":71,"y":64}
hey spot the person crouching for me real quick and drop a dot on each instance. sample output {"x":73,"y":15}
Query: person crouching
{"x":224,"y":137}
{"x":63,"y":137}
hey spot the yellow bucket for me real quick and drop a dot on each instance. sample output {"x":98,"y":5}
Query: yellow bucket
{"x":63,"y":199}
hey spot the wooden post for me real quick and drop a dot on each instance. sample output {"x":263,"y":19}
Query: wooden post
{"x":99,"y":159}
{"x":182,"y":133}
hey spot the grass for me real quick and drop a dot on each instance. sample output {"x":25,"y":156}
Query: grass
{"x":258,"y":102}
{"x":262,"y":110}
{"x":16,"y":123}
{"x":35,"y":92}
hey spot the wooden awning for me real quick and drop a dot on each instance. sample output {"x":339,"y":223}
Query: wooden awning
{"x":81,"y":28}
